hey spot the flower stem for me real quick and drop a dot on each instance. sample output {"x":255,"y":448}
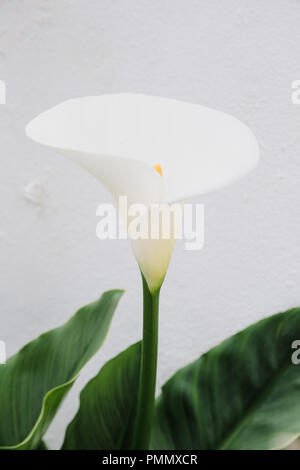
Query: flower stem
{"x":146,"y":396}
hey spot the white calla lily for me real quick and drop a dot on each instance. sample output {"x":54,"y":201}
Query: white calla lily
{"x":119,"y":138}
{"x":153,"y":252}
{"x":125,"y":140}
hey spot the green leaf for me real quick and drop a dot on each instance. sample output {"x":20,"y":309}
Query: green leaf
{"x":107,"y":408}
{"x":34,"y":382}
{"x":42,"y":446}
{"x":242,"y":394}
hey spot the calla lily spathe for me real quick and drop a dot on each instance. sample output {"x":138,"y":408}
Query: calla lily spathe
{"x":119,"y":138}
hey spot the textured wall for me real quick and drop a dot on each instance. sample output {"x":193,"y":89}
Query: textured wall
{"x":237,"y":56}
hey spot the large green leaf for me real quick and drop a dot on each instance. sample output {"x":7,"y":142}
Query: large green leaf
{"x":107,"y":406}
{"x":242,"y":394}
{"x":34,"y":382}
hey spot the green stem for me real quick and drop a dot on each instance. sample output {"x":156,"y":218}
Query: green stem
{"x":146,"y":396}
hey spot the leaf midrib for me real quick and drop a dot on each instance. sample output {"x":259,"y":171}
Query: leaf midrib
{"x":253,"y":407}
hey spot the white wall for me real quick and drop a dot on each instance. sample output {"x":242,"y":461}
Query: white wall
{"x":237,"y":56}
